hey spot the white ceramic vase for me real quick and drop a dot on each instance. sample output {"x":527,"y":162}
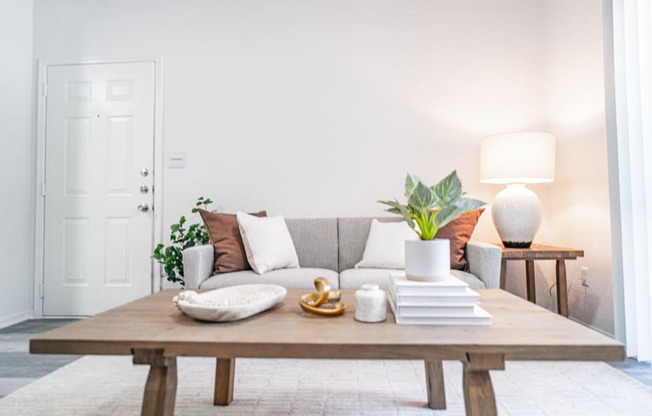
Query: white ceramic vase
{"x":516,"y":213}
{"x":370,"y":304}
{"x":428,"y":260}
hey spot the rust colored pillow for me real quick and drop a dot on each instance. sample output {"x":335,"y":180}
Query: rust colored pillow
{"x":459,"y":233}
{"x":224,"y":233}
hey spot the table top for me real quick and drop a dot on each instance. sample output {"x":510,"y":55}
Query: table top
{"x":519,"y":329}
{"x":541,"y":252}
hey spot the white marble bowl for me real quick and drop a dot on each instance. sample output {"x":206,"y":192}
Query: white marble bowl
{"x":229,"y":303}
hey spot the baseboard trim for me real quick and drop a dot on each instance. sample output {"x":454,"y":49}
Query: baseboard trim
{"x":600,"y":331}
{"x":592,"y":327}
{"x":15,"y":319}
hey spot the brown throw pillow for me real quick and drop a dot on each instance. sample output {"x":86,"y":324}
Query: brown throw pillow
{"x":459,"y":232}
{"x":224,"y":233}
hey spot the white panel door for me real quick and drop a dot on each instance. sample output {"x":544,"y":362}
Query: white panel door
{"x":99,"y":153}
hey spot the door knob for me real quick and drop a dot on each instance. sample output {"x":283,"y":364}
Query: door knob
{"x":144,"y":172}
{"x":144,"y":189}
{"x":143,"y":207}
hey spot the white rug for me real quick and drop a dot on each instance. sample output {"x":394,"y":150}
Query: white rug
{"x":113,"y":386}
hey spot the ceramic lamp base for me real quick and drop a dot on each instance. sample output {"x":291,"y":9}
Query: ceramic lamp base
{"x":516,"y":244}
{"x":516,"y":213}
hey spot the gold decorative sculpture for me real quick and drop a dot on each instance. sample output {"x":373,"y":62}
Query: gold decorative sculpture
{"x":325,"y":302}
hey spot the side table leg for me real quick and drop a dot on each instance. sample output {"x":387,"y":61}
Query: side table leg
{"x":161,"y":387}
{"x":435,"y":383}
{"x":503,"y":273}
{"x":224,"y":375}
{"x":562,"y":290}
{"x":531,"y":284}
{"x":479,"y":398}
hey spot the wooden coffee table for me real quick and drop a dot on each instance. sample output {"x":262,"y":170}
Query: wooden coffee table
{"x":155,"y":333}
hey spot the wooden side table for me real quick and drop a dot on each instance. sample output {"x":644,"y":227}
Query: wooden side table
{"x":541,"y":252}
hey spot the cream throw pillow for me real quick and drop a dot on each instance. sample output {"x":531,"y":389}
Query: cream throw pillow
{"x":385,"y":248}
{"x":267,"y":243}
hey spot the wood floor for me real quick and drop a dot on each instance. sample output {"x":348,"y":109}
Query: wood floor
{"x":18,"y":367}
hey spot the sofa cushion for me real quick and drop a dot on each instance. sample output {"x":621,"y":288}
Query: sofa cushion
{"x":303,"y":278}
{"x":352,"y":238}
{"x":385,"y":247}
{"x":267,"y":242}
{"x":315,"y":240}
{"x":354,"y":278}
{"x":470,"y":279}
{"x":229,"y":252}
{"x":459,"y":233}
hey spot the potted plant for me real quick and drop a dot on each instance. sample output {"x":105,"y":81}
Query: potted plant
{"x":180,"y":239}
{"x":428,"y":209}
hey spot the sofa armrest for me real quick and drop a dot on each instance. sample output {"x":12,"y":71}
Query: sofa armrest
{"x":484,"y":262}
{"x":198,"y":265}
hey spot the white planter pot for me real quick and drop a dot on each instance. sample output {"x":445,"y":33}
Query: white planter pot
{"x":428,"y":260}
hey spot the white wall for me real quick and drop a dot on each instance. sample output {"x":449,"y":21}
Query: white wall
{"x":313,"y":108}
{"x":576,"y":115}
{"x":17,"y":161}
{"x":576,"y":205}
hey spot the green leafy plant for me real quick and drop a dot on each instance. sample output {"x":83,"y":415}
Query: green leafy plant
{"x":429,"y":208}
{"x":181,"y":238}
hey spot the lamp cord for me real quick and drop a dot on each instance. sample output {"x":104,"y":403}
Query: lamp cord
{"x":570,"y":288}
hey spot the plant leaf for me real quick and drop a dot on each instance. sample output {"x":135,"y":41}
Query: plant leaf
{"x":448,"y":189}
{"x":423,"y":197}
{"x":447,"y":214}
{"x":470,"y":204}
{"x":397,"y":208}
{"x":452,"y":212}
{"x":411,"y":182}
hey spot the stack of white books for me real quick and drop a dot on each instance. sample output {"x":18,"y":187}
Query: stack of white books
{"x":450,"y":302}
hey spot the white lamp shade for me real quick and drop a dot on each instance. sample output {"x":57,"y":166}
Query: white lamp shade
{"x":518,"y":158}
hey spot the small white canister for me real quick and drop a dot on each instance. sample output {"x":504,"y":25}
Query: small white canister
{"x":370,"y":304}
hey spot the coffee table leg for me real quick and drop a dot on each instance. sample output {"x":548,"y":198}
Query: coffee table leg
{"x":479,"y":396}
{"x":161,"y":387}
{"x":435,"y":382}
{"x":224,"y":375}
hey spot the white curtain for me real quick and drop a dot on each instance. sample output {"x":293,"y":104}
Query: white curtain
{"x":630,"y":152}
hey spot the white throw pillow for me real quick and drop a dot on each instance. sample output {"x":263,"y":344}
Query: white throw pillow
{"x":267,"y":242}
{"x":385,"y":248}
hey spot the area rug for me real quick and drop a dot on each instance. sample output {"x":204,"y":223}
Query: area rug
{"x":96,"y":385}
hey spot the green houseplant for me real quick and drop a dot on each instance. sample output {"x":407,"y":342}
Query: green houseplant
{"x":429,"y":208}
{"x":182,"y":238}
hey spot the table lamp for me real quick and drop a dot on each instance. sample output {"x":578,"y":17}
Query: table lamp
{"x":516,"y":159}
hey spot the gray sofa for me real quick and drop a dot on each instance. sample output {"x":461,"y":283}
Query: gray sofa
{"x":330,"y":248}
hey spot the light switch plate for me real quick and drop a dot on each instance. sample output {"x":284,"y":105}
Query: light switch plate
{"x":177,"y":160}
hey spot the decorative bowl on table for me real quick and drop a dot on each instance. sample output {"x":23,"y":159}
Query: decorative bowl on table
{"x":229,"y":303}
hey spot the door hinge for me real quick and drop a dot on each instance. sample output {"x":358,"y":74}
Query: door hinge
{"x":43,"y":189}
{"x":44,"y":89}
